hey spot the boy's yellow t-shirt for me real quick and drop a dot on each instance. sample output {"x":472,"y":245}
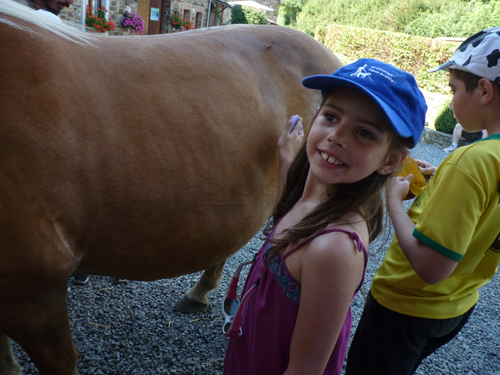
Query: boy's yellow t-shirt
{"x":458,"y":215}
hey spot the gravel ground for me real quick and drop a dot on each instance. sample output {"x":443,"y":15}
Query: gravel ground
{"x":133,"y":329}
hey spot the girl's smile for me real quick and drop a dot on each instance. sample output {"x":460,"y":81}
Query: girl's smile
{"x":331,"y":159}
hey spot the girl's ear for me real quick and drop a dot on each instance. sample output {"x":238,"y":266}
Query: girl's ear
{"x":316,"y":113}
{"x":393,"y":161}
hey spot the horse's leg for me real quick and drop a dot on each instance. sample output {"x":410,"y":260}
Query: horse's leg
{"x":8,"y":363}
{"x":45,"y":335}
{"x":195,"y":299}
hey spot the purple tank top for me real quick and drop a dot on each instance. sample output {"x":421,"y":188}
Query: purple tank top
{"x":270,"y":314}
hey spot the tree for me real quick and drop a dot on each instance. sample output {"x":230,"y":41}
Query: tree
{"x":289,"y":9}
{"x":243,"y":14}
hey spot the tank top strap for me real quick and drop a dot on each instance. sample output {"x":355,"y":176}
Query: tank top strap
{"x":353,"y":235}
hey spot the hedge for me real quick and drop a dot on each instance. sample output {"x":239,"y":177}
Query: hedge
{"x":414,"y":54}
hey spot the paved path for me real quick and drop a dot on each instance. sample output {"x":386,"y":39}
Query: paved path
{"x":434,"y":102}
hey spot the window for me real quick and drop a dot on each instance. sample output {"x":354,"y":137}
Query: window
{"x":198,"y":20}
{"x":94,"y":4}
{"x":187,"y":15}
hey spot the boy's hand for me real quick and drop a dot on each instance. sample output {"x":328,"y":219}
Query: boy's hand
{"x":426,"y":168}
{"x":399,"y":188}
{"x":290,"y":140}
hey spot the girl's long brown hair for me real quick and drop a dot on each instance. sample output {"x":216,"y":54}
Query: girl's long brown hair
{"x":363,"y":197}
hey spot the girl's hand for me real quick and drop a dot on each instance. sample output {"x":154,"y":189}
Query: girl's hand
{"x":288,"y":146}
{"x":399,"y":187}
{"x":290,"y":140}
{"x":426,"y":168}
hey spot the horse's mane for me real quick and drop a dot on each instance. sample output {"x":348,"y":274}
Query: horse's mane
{"x":61,"y":28}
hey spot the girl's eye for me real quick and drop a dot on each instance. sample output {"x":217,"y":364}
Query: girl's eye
{"x":331,"y":117}
{"x":366,"y":133}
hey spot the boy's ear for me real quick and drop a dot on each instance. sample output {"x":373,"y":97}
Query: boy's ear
{"x":393,"y":161}
{"x":486,"y":90}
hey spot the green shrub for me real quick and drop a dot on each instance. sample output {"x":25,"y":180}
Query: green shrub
{"x":428,"y":18}
{"x":243,"y":14}
{"x":388,"y":15}
{"x":237,"y":15}
{"x":456,"y":19}
{"x":414,"y":54}
{"x":445,"y":121}
{"x":287,"y":13}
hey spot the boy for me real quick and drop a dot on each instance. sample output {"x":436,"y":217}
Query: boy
{"x":427,"y":286}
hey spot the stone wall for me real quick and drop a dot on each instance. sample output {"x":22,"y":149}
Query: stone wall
{"x":116,"y":10}
{"x":437,"y":138}
{"x":73,"y":13}
{"x":193,"y":6}
{"x":273,"y":4}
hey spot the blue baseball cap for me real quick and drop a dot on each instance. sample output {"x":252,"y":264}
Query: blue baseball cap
{"x":395,"y":91}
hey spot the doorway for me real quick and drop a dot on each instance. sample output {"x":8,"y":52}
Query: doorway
{"x":153,"y":13}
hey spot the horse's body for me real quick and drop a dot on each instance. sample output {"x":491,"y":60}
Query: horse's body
{"x":134,"y":157}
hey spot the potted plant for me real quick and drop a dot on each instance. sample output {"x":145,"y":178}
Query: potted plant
{"x":133,"y":21}
{"x":98,"y":22}
{"x":180,"y":24}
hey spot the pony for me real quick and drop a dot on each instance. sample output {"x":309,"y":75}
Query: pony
{"x":143,"y":157}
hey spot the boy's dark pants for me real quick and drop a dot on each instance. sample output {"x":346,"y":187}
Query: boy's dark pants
{"x":389,"y":343}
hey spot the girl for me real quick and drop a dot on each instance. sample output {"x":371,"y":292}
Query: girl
{"x":296,"y":317}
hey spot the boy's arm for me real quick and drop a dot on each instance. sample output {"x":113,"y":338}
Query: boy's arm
{"x":288,"y":146}
{"x":429,"y":264}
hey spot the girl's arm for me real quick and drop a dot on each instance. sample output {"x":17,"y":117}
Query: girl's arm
{"x":330,"y":275}
{"x":288,"y":145}
{"x":431,"y":266}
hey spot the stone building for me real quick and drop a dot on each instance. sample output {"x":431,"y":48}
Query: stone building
{"x":157,"y":13}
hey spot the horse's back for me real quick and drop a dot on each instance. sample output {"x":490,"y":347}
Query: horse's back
{"x":161,"y":150}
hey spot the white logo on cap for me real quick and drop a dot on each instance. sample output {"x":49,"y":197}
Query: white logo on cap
{"x":361,"y":72}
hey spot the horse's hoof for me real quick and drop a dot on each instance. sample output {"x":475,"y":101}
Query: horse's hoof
{"x":189,"y":305}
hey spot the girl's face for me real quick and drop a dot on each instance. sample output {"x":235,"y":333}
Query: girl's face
{"x":350,"y":139}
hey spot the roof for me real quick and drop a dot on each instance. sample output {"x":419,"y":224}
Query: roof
{"x":252,"y":4}
{"x":223,"y":3}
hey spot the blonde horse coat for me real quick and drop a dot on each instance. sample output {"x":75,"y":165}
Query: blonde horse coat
{"x":136,"y":157}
